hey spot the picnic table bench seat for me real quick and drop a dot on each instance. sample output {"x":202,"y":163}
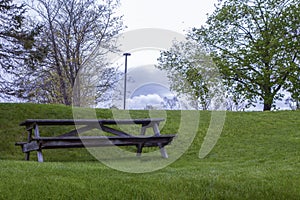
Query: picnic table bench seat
{"x":73,"y":139}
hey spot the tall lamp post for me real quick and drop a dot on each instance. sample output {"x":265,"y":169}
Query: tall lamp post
{"x":125,"y":79}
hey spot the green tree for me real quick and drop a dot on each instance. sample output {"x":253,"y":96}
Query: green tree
{"x":256,"y":46}
{"x":294,"y":88}
{"x":192,"y":73}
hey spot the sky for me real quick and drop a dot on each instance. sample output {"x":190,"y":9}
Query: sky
{"x":174,"y":15}
{"x":177,"y":16}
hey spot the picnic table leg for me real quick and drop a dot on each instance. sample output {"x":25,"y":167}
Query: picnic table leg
{"x":29,"y":131}
{"x":139,"y":150}
{"x":39,"y":152}
{"x":140,"y":146}
{"x":143,"y":130}
{"x":163,"y":152}
{"x":27,"y":156}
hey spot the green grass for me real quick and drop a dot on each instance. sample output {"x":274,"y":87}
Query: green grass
{"x":257,"y":157}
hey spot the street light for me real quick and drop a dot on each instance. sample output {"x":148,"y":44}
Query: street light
{"x":125,"y":79}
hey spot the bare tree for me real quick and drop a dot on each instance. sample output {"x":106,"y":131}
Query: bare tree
{"x":75,"y":33}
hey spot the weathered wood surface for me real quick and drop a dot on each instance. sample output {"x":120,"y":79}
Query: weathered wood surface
{"x":72,"y":139}
{"x":94,"y":141}
{"x":89,"y":122}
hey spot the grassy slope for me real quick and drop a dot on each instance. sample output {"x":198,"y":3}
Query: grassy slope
{"x":257,"y":157}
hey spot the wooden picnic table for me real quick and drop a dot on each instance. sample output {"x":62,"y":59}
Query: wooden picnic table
{"x":73,"y":138}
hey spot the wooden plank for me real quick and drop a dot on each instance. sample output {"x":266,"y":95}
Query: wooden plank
{"x":48,"y":122}
{"x":97,"y":141}
{"x":20,"y":143}
{"x":43,"y":142}
{"x":77,"y":131}
{"x":39,"y":151}
{"x":134,"y":138}
{"x":37,"y":144}
{"x":143,"y":131}
{"x":114,"y":131}
{"x":30,"y":146}
{"x":156,"y":131}
{"x":29,"y":137}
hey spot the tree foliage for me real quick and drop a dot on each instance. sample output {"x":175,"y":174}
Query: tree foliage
{"x":16,"y":43}
{"x":191,"y":73}
{"x":294,"y":88}
{"x":256,"y":46}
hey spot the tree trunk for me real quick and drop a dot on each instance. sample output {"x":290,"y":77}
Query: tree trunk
{"x":268,"y":102}
{"x":267,"y":107}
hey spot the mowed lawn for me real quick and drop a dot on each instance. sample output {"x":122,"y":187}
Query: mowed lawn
{"x":256,"y":157}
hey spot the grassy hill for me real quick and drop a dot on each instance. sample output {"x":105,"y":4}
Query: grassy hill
{"x":257,"y":157}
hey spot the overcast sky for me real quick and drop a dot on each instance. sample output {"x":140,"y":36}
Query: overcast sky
{"x":167,"y":14}
{"x":178,"y":16}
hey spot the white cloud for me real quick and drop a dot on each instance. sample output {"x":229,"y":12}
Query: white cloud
{"x":140,"y":102}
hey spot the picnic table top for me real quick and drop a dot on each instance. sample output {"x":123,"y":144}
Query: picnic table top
{"x":45,"y":122}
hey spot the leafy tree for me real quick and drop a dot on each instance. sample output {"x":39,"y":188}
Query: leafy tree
{"x":256,"y":46}
{"x":16,"y":43}
{"x":292,"y":103}
{"x":294,"y":88}
{"x":170,"y":103}
{"x":75,"y":34}
{"x":191,"y":73}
